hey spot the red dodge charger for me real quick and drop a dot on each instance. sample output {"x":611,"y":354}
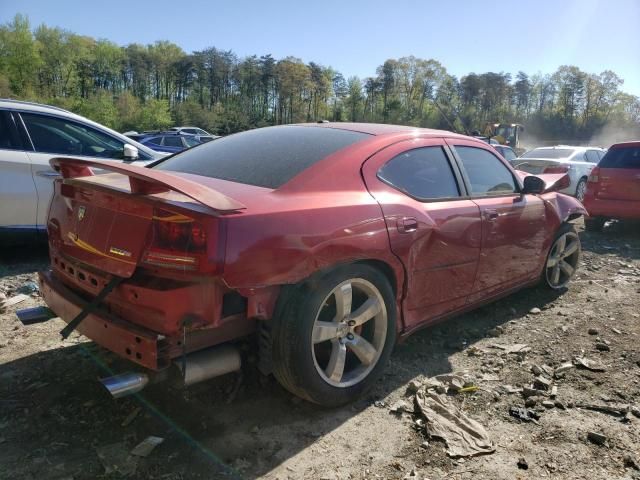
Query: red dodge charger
{"x":328,"y":242}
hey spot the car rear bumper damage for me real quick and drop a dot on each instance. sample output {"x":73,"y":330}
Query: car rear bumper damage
{"x":140,"y":345}
{"x":623,"y":209}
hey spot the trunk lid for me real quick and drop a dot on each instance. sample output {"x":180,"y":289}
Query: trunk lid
{"x":535,"y":165}
{"x":109,"y":221}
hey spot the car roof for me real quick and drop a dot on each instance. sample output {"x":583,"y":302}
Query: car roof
{"x":574,"y":147}
{"x":632,"y":144}
{"x":382,"y":129}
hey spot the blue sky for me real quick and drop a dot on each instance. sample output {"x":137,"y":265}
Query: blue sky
{"x":356,"y":36}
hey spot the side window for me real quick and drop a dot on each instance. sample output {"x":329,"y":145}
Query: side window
{"x":155,"y":140}
{"x":190,"y":131}
{"x":592,"y":156}
{"x":9,"y":139}
{"x":199,"y":131}
{"x":173,"y":142}
{"x":423,"y":173}
{"x":59,"y":135}
{"x":579,"y":157}
{"x":509,"y":155}
{"x":487,"y":174}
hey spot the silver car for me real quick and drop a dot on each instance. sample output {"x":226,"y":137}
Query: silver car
{"x":31,"y":134}
{"x":576,"y":161}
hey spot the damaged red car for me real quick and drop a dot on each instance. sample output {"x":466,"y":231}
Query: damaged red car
{"x":327,"y":242}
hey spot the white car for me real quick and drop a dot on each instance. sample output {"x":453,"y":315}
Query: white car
{"x":30,"y":135}
{"x":576,"y":161}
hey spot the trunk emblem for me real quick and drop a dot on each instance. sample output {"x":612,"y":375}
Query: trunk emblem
{"x":81,"y":212}
{"x":119,"y":251}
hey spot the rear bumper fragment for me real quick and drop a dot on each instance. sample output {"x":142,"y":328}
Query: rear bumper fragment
{"x":139,"y":345}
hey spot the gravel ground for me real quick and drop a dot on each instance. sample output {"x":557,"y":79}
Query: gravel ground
{"x":56,"y":422}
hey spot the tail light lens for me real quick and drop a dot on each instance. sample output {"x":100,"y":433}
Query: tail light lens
{"x":594,"y":177}
{"x":177,"y":241}
{"x":562,"y":168}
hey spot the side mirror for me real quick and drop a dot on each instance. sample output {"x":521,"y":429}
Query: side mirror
{"x":533,"y":184}
{"x":130,"y":152}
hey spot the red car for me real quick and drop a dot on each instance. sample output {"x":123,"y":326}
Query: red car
{"x":613,"y":188}
{"x":327,"y":241}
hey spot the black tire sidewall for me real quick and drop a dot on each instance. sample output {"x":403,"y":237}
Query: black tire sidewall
{"x":296,"y":356}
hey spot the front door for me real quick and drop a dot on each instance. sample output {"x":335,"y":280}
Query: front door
{"x":18,"y":197}
{"x":513,"y":224}
{"x":432,"y":229}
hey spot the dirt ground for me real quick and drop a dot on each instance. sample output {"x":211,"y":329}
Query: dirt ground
{"x":56,"y":422}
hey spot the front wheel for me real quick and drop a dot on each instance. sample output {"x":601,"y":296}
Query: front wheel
{"x":563,"y":258}
{"x":335,"y":335}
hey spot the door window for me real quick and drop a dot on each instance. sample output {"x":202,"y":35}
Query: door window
{"x":508,"y":154}
{"x":58,"y":135}
{"x":8,"y":135}
{"x":592,"y":156}
{"x":173,"y":142}
{"x":627,"y":157}
{"x":487,"y":174}
{"x":155,"y":140}
{"x":423,"y":173}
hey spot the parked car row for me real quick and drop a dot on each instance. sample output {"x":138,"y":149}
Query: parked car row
{"x":31,"y":135}
{"x":173,"y":140}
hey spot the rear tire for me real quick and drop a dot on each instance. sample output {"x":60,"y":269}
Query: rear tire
{"x":581,"y":189}
{"x":333,"y":337}
{"x":594,"y":224}
{"x":563,"y":258}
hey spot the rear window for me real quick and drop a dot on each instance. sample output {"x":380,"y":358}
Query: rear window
{"x":621,"y":158}
{"x":265,"y":157}
{"x":548,"y":153}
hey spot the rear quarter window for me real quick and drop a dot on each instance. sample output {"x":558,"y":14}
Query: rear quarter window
{"x":266,"y":157}
{"x":621,"y":158}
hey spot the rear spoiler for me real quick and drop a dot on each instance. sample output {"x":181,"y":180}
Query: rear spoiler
{"x":145,"y":181}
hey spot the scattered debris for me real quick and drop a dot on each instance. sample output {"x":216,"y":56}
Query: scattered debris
{"x":548,"y":404}
{"x":554,"y":391}
{"x":602,"y":347}
{"x":400,"y":407}
{"x":616,"y":331}
{"x":562,"y":369}
{"x":619,"y":410}
{"x":522,"y":464}
{"x":9,"y":302}
{"x":515,"y":348}
{"x":596,"y":438}
{"x":524,"y":414}
{"x":144,"y":448}
{"x":541,"y":383}
{"x":496,"y":331}
{"x":593,"y":331}
{"x":631,"y":462}
{"x":463,"y":436}
{"x":29,"y":288}
{"x":131,"y":417}
{"x":535,"y":311}
{"x":509,"y":389}
{"x":589,"y":364}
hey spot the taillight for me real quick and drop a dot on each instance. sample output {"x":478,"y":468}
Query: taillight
{"x":177,"y":241}
{"x":562,"y":168}
{"x":594,"y":176}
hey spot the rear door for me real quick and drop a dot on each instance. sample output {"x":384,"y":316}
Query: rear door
{"x":620,"y":174}
{"x":513,"y":225}
{"x":18,"y":197}
{"x":433,"y":230}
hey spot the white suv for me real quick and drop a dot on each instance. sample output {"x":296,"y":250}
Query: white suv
{"x":30,"y":135}
{"x":576,"y":161}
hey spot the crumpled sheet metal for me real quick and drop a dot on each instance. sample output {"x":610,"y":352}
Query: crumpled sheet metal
{"x":463,"y":436}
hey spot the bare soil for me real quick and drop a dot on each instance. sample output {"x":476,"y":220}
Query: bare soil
{"x":56,"y":422}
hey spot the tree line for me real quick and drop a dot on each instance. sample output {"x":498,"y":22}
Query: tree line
{"x":138,"y":87}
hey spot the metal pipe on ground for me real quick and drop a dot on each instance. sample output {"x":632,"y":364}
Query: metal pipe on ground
{"x":199,"y":366}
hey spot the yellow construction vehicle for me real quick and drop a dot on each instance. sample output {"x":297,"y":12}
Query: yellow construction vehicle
{"x":506,"y":134}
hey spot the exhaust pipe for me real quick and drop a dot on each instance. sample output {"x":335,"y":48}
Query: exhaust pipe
{"x":196,"y":368}
{"x":125,"y":384}
{"x":209,"y":363}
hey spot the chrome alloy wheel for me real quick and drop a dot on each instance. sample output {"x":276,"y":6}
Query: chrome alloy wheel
{"x":563,"y":260}
{"x":349,"y":333}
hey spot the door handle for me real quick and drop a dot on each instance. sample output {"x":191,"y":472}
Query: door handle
{"x":491,"y":214}
{"x":407,"y":225}
{"x":47,"y":173}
